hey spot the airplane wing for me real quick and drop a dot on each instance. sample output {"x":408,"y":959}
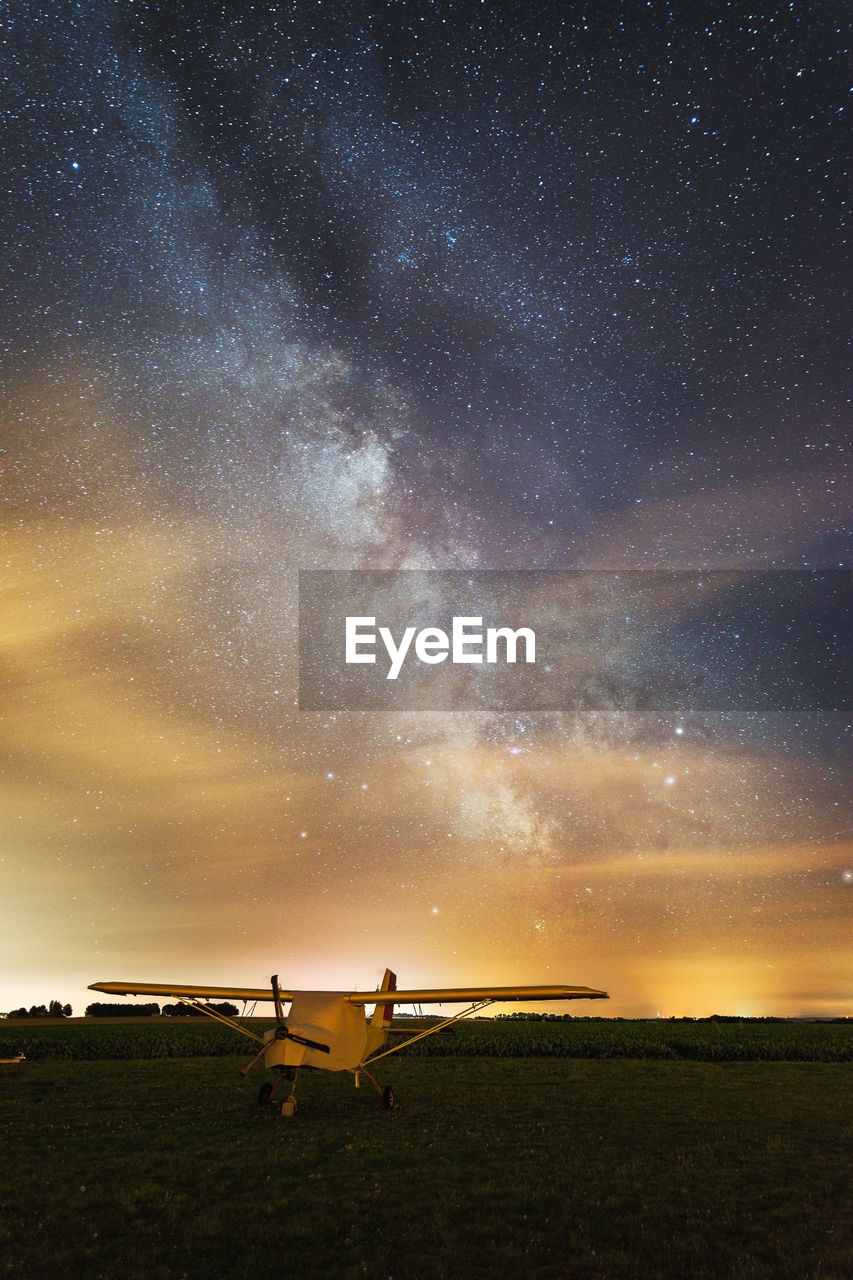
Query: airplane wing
{"x":424,"y":995}
{"x":191,"y":992}
{"x":472,"y":995}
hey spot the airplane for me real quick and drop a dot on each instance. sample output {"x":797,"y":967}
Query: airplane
{"x":330,"y":1030}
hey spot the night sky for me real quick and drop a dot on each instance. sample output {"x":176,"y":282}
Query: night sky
{"x":416,"y":286}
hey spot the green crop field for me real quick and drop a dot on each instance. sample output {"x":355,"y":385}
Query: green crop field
{"x":700,"y":1157}
{"x":706,"y":1041}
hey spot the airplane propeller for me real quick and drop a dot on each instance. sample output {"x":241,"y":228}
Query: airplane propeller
{"x":276,"y":995}
{"x":282,"y":1031}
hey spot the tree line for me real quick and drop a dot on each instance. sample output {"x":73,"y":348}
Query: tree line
{"x":102,"y":1010}
{"x":53,"y":1010}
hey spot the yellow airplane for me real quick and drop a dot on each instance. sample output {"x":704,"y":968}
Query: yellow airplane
{"x":330,"y":1030}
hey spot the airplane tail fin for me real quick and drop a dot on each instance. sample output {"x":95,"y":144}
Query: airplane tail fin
{"x":383,"y":1013}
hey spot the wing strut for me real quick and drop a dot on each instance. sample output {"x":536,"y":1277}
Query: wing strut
{"x":219,"y":1017}
{"x":431,"y":1031}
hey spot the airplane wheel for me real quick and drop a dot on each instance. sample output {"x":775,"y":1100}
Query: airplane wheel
{"x":388,"y":1098}
{"x":288,"y":1109}
{"x":265,"y":1094}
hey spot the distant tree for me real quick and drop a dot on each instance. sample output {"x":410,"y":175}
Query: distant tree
{"x":187,"y":1011}
{"x":53,"y":1010}
{"x":101,"y":1010}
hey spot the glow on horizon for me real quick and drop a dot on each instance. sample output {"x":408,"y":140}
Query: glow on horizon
{"x":169,"y":817}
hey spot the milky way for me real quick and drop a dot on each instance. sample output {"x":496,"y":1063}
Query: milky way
{"x":418,"y":286}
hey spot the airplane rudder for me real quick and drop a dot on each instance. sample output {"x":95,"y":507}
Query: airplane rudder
{"x":383,"y":1013}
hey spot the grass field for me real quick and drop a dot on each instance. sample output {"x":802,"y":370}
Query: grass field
{"x":539,"y":1167}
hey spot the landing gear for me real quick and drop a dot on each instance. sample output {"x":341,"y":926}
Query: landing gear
{"x":266,"y":1093}
{"x":386,"y":1094}
{"x":266,"y":1097}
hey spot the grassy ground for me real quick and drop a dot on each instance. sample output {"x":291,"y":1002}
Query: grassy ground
{"x":546,"y":1169}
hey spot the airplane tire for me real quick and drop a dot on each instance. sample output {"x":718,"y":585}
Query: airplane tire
{"x":265,"y":1094}
{"x":388,"y":1098}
